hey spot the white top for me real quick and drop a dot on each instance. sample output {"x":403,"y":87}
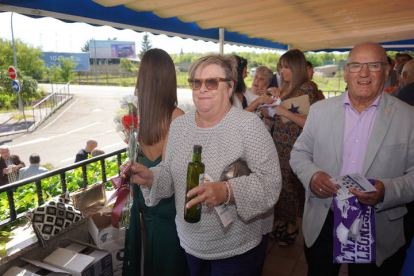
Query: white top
{"x":250,"y":96}
{"x":240,"y":134}
{"x":236,"y":101}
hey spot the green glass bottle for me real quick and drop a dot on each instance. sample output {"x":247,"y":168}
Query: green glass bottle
{"x":195,"y":177}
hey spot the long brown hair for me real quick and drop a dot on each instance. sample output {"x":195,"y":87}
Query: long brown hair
{"x":296,"y":61}
{"x":156,"y":89}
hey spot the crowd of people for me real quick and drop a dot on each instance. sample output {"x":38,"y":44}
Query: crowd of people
{"x":13,"y":169}
{"x":293,"y":141}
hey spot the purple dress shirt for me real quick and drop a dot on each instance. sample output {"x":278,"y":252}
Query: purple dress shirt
{"x":357,"y":131}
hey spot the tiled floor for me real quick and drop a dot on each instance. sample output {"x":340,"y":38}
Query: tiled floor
{"x":288,"y":261}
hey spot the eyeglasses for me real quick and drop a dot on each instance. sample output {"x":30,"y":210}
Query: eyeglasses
{"x":355,"y":67}
{"x":210,"y":83}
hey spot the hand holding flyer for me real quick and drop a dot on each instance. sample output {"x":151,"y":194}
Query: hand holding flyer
{"x":276,"y":101}
{"x":352,"y":180}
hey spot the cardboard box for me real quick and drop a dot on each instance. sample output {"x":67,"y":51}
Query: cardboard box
{"x":82,"y":259}
{"x":109,"y":238}
{"x":36,"y":268}
{"x":101,"y":231}
{"x":116,"y":247}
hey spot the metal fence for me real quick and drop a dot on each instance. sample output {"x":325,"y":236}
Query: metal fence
{"x":9,"y":188}
{"x":332,"y":93}
{"x":43,"y":109}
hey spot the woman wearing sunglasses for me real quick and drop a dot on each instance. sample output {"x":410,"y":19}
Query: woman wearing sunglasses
{"x":225,"y":134}
{"x":156,"y":89}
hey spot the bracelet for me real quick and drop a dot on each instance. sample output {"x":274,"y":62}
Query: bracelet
{"x":227,"y":192}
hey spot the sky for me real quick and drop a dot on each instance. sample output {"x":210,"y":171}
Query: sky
{"x":52,"y":35}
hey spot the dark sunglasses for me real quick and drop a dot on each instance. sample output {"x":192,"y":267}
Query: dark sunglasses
{"x":210,"y":83}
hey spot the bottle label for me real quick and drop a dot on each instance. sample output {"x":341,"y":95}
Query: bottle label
{"x":201,"y":179}
{"x":223,"y":212}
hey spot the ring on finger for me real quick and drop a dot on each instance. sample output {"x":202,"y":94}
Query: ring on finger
{"x":320,"y":190}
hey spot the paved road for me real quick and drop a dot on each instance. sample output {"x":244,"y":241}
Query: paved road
{"x":88,"y":115}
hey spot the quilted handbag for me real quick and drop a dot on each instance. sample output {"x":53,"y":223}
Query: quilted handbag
{"x":52,"y":217}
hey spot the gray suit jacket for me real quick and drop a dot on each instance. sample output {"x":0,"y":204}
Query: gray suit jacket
{"x":389,"y":158}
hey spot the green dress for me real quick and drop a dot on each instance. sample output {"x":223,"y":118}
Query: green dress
{"x":163,"y":253}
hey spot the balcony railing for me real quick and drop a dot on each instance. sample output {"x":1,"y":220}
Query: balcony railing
{"x":9,"y":188}
{"x":332,"y":93}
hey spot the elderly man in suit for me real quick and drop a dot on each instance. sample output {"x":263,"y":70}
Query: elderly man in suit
{"x":9,"y":166}
{"x":366,"y":131}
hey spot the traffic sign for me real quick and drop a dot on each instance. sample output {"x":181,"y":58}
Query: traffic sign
{"x":12,"y":73}
{"x":16,"y":86}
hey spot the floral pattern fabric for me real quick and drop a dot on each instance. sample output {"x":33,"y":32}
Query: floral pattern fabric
{"x":292,"y":197}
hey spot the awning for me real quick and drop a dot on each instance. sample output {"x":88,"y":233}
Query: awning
{"x":121,"y":17}
{"x":308,"y":25}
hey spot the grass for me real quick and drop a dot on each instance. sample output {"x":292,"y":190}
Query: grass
{"x":26,"y":108}
{"x":19,"y":116}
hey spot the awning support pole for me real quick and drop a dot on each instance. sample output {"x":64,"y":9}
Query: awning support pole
{"x":221,"y":41}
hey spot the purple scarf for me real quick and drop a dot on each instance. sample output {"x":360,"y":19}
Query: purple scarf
{"x":354,"y":231}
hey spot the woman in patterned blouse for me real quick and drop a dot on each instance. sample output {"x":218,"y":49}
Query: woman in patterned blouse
{"x":226,"y":134}
{"x":294,"y":83}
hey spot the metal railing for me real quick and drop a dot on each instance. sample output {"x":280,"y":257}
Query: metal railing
{"x":62,"y":174}
{"x":332,"y":93}
{"x":43,"y":109}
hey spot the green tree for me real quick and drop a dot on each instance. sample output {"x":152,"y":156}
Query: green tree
{"x":314,"y":58}
{"x":127,"y":65}
{"x":85,"y":47}
{"x":29,"y":62}
{"x":145,"y":45}
{"x":64,"y":71}
{"x":28,"y":92}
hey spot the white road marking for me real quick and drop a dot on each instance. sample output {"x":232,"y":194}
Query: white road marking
{"x":39,"y":140}
{"x":60,"y":115}
{"x":67,"y":159}
{"x":113,"y":145}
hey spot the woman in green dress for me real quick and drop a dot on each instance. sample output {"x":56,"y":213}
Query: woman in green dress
{"x":156,"y":89}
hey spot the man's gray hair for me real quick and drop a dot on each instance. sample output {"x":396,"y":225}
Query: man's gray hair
{"x":4,"y":147}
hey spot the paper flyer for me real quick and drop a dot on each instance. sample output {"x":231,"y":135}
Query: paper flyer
{"x":352,"y":180}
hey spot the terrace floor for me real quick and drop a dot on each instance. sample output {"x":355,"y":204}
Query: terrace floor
{"x":289,"y":261}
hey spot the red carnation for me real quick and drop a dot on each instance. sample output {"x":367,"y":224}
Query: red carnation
{"x":127,"y":122}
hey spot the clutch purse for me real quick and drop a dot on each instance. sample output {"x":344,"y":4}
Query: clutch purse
{"x":236,"y":169}
{"x":52,"y":217}
{"x":299,"y":105}
{"x":90,"y":197}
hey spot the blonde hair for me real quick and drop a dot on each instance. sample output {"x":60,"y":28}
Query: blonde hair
{"x":227,"y":63}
